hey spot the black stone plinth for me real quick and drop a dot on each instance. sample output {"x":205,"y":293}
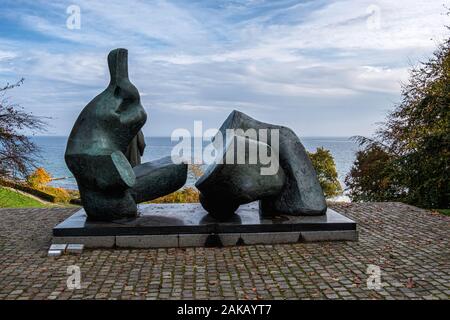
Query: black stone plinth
{"x":164,"y":219}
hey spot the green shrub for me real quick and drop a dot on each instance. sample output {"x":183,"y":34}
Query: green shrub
{"x":325,"y":167}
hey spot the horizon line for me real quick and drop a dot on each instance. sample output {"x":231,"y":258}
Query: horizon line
{"x":63,"y":136}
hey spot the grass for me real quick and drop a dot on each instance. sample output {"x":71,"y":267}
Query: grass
{"x":13,"y":199}
{"x":37,"y":185}
{"x":444,"y":211}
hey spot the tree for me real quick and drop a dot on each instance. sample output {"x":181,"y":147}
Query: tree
{"x":16,"y":149}
{"x":39,"y":178}
{"x":409,"y":157}
{"x":325,"y":167}
{"x":372,"y":174}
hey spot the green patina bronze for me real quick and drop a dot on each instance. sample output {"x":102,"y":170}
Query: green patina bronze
{"x":105,"y":133}
{"x":293,"y":190}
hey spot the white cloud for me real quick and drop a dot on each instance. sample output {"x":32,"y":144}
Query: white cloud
{"x":200,"y":59}
{"x":83,"y":69}
{"x":7,"y":55}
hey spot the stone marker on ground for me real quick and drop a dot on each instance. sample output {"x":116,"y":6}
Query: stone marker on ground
{"x":75,"y":248}
{"x":58,"y":246}
{"x":54,"y":253}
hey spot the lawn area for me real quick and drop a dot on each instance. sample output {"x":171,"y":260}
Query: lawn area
{"x":444,"y":211}
{"x":12,"y":199}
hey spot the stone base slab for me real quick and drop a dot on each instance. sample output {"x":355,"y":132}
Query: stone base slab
{"x":201,"y":240}
{"x":188,"y":225}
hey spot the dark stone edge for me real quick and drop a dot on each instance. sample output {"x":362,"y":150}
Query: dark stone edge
{"x":202,"y":229}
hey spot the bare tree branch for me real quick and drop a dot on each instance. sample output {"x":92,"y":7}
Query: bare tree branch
{"x":17,"y":151}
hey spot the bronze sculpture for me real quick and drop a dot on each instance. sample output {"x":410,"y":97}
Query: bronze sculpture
{"x":293,"y":190}
{"x":110,"y":186}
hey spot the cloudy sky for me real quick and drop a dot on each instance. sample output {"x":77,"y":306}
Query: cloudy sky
{"x":324,"y":68}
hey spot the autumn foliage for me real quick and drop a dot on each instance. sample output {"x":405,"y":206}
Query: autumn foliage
{"x":39,"y":180}
{"x":409,"y":158}
{"x":185,"y":195}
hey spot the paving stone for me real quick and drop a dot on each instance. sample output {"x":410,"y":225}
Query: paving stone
{"x":404,"y":241}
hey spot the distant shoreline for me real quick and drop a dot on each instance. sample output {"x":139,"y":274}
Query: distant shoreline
{"x":168,"y":137}
{"x":52,"y":150}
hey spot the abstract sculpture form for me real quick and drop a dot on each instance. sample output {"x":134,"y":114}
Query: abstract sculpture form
{"x":107,"y":129}
{"x":293,"y":190}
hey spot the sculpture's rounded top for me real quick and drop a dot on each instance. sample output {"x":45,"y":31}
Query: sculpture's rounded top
{"x":118,"y":65}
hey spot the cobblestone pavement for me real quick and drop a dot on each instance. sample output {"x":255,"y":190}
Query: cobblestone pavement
{"x":410,"y":245}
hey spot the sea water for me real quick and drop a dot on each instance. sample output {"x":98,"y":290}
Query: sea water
{"x":52,"y":149}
